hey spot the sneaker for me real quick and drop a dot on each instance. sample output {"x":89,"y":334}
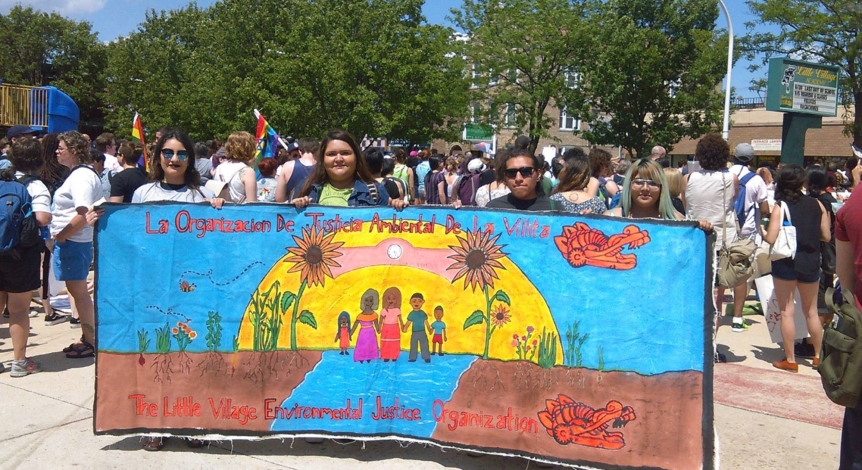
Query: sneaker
{"x":803,"y":349}
{"x":74,"y":322}
{"x":738,"y":325}
{"x":55,"y":319}
{"x":720,"y":358}
{"x":24,"y":367}
{"x":2,"y":368}
{"x":34,"y":314}
{"x":6,"y":313}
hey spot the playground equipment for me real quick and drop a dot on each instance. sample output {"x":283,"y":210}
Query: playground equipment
{"x":45,"y":108}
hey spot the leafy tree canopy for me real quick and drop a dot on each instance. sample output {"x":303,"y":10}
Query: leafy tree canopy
{"x":40,"y":49}
{"x":825,"y":31}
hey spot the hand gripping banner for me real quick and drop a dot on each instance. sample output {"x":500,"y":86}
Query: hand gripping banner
{"x":581,"y":340}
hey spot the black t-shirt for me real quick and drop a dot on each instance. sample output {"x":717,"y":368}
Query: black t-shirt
{"x":542,"y":203}
{"x":126,"y":182}
{"x":393,"y":187}
{"x":487,"y":177}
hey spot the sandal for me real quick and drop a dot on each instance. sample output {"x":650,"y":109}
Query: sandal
{"x":81,"y":350}
{"x":71,"y":347}
{"x":152,"y":444}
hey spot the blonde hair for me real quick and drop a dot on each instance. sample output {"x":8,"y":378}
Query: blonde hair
{"x":674,"y":181}
{"x":240,"y":146}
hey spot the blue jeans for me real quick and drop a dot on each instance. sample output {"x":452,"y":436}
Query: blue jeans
{"x":851,"y":439}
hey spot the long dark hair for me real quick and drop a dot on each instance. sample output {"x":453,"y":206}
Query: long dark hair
{"x":192,"y":178}
{"x":788,"y":183}
{"x":53,"y":173}
{"x":318,"y":174}
{"x":574,"y":176}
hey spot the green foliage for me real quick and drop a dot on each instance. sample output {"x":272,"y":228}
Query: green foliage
{"x":574,"y":344}
{"x":601,"y":359}
{"x":184,"y":335}
{"x":214,"y":330}
{"x":144,"y":341}
{"x":41,"y":49}
{"x":267,"y":316}
{"x":652,"y":73}
{"x":475,"y":318}
{"x":163,"y":339}
{"x":236,"y":343}
{"x":369,"y":66}
{"x":502,"y":297}
{"x":525,"y":350}
{"x":307,"y":318}
{"x":547,"y":349}
{"x":520,"y":51}
{"x":825,"y":31}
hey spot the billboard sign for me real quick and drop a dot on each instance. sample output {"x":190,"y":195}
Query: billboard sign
{"x":802,"y":87}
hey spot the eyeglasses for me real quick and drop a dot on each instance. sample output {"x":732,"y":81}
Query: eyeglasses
{"x":641,"y":183}
{"x":168,"y":154}
{"x":525,"y":172}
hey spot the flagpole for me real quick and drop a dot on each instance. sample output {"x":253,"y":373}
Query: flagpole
{"x":280,"y":140}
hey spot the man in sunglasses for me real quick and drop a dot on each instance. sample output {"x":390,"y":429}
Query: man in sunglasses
{"x":522,"y":175}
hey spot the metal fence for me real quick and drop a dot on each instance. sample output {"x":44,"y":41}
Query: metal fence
{"x":23,"y":105}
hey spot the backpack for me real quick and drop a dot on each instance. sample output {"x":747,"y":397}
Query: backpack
{"x":18,"y":225}
{"x":610,"y":201}
{"x":739,"y":203}
{"x":840,"y":366}
{"x":465,"y":187}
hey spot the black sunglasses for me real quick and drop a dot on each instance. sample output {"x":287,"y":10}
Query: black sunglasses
{"x":182,"y":155}
{"x":525,"y":171}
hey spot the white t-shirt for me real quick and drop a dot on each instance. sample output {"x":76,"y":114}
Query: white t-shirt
{"x":266,"y":189}
{"x":231,"y":172}
{"x":82,"y":188}
{"x":153,"y":192}
{"x":111,"y":163}
{"x":39,"y":194}
{"x":755,"y":193}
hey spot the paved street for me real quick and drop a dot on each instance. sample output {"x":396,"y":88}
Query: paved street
{"x":765,"y":419}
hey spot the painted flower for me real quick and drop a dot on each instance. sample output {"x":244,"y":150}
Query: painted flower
{"x":535,"y":342}
{"x":514,"y":343}
{"x":500,"y":316}
{"x":175,"y":330}
{"x":193,"y":335}
{"x":515,"y":336}
{"x":530,"y":329}
{"x":476,"y":259}
{"x":314,"y":255}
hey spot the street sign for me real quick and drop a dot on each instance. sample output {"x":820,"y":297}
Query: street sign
{"x":802,"y":87}
{"x":478,"y":132}
{"x":766,"y":145}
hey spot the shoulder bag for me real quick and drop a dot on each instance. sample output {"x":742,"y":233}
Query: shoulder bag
{"x":785,"y":244}
{"x":734,"y":259}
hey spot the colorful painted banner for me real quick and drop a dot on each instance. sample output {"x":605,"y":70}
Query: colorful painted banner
{"x":577,"y":340}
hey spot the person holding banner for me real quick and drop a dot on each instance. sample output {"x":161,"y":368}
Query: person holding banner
{"x":341,"y":177}
{"x":175,"y":177}
{"x":801,"y":271}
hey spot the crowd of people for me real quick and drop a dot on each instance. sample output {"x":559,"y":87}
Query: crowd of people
{"x":67,"y":175}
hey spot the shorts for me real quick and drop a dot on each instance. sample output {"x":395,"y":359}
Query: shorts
{"x":437,"y":339}
{"x":23,"y":274}
{"x":783,"y":269}
{"x":72,"y":260}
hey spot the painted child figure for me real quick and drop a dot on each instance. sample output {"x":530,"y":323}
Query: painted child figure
{"x":419,"y":322}
{"x":439,"y":331}
{"x":343,"y":335}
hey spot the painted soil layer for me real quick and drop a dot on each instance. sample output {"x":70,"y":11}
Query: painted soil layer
{"x":666,"y":432}
{"x":185,"y":391}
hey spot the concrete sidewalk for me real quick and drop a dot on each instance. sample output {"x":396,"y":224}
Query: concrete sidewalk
{"x":765,"y":419}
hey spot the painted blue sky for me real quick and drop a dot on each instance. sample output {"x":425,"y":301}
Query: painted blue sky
{"x":113,"y":18}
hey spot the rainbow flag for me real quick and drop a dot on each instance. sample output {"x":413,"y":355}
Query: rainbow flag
{"x":138,"y":135}
{"x":267,"y":140}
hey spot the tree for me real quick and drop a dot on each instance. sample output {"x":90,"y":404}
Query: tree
{"x":653,"y":72}
{"x":368,"y":66}
{"x":152,"y":71}
{"x":826,"y":31}
{"x":518,"y":53}
{"x":40,"y":49}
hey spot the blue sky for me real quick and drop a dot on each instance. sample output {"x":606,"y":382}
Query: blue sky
{"x":113,"y":18}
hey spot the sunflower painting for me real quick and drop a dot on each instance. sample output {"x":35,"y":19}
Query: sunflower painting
{"x":313,"y":257}
{"x":477,"y":259}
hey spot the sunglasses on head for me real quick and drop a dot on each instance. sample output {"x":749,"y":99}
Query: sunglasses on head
{"x":525,"y":171}
{"x":168,"y":154}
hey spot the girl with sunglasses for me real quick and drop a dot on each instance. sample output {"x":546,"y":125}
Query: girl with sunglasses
{"x":175,"y":177}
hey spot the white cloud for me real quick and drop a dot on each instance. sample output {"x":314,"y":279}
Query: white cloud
{"x":76,"y":8}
